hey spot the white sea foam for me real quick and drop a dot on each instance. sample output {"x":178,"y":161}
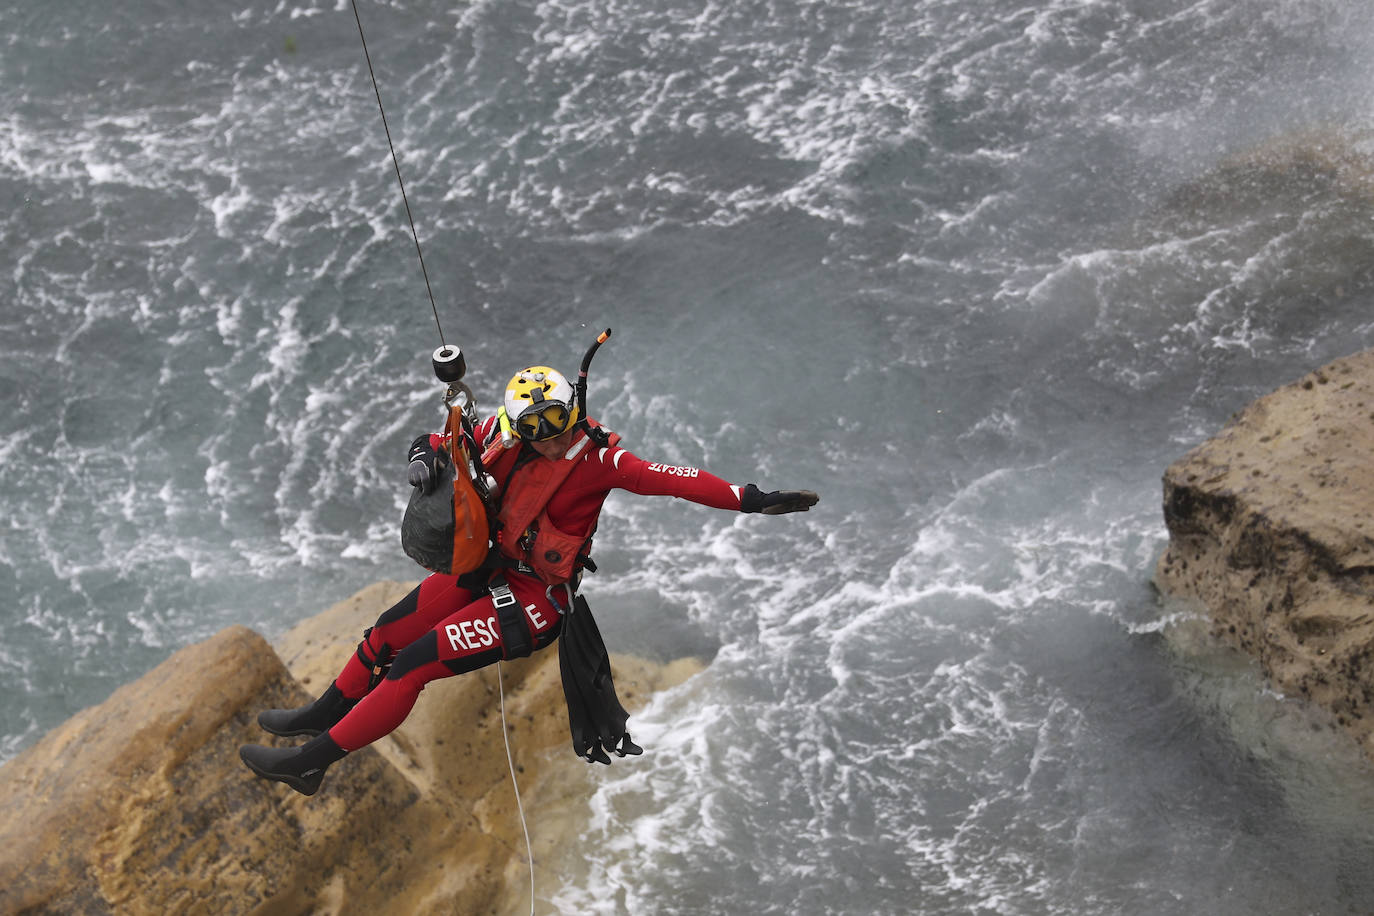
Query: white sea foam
{"x":923,"y":260}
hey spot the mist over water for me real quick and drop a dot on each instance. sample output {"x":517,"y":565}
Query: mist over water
{"x":975,"y":272}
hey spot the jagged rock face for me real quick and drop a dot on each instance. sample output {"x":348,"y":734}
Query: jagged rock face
{"x":140,"y":805}
{"x":1271,"y":527}
{"x":136,"y":805}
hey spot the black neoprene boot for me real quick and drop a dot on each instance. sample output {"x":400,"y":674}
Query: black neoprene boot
{"x":310,"y":719}
{"x":302,"y":768}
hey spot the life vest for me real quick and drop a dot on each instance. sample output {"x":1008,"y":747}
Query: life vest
{"x":524,"y":531}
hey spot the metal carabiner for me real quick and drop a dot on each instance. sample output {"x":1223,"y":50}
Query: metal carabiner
{"x":567,"y":590}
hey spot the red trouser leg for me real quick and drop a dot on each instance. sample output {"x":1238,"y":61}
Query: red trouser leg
{"x":407,"y":620}
{"x":465,"y":640}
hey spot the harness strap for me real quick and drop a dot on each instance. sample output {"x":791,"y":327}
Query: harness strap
{"x":378,"y":661}
{"x":497,"y":561}
{"x":515,"y":635}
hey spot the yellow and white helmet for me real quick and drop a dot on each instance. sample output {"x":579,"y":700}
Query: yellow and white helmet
{"x":540,"y":403}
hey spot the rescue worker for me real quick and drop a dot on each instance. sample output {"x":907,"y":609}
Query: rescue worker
{"x":552,"y":482}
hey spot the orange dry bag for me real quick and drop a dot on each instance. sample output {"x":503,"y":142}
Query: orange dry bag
{"x":446,"y":530}
{"x":470,"y":531}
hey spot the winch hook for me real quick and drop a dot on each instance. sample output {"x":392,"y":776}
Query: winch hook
{"x":449,"y":367}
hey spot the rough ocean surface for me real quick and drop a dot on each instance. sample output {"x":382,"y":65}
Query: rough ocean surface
{"x":975,"y":272}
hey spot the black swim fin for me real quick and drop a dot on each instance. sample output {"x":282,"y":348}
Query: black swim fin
{"x":596,"y":718}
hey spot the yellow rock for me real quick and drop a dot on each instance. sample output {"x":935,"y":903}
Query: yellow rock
{"x":1271,"y":527}
{"x":140,"y":805}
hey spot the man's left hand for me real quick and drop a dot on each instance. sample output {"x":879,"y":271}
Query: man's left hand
{"x":425,"y":463}
{"x":778,"y":502}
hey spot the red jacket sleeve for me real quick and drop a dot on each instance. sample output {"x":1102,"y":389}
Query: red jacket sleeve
{"x":627,"y":471}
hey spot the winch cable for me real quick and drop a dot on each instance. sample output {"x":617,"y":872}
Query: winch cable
{"x":396,"y":163}
{"x":510,"y":761}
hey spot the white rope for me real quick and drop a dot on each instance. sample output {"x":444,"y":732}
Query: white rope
{"x":505,"y":736}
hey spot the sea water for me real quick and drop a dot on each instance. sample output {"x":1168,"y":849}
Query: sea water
{"x":974,"y":272}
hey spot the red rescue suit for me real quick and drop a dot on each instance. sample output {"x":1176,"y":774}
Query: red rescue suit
{"x":441,"y":629}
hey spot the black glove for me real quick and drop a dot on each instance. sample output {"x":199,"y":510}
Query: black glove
{"x":425,"y":463}
{"x":776,"y":503}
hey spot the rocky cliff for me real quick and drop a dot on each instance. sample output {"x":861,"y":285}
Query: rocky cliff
{"x":1271,"y":527}
{"x":140,"y":805}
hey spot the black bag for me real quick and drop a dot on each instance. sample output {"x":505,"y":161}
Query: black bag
{"x":427,"y":528}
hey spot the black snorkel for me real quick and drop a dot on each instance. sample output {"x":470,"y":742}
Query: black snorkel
{"x":596,"y":434}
